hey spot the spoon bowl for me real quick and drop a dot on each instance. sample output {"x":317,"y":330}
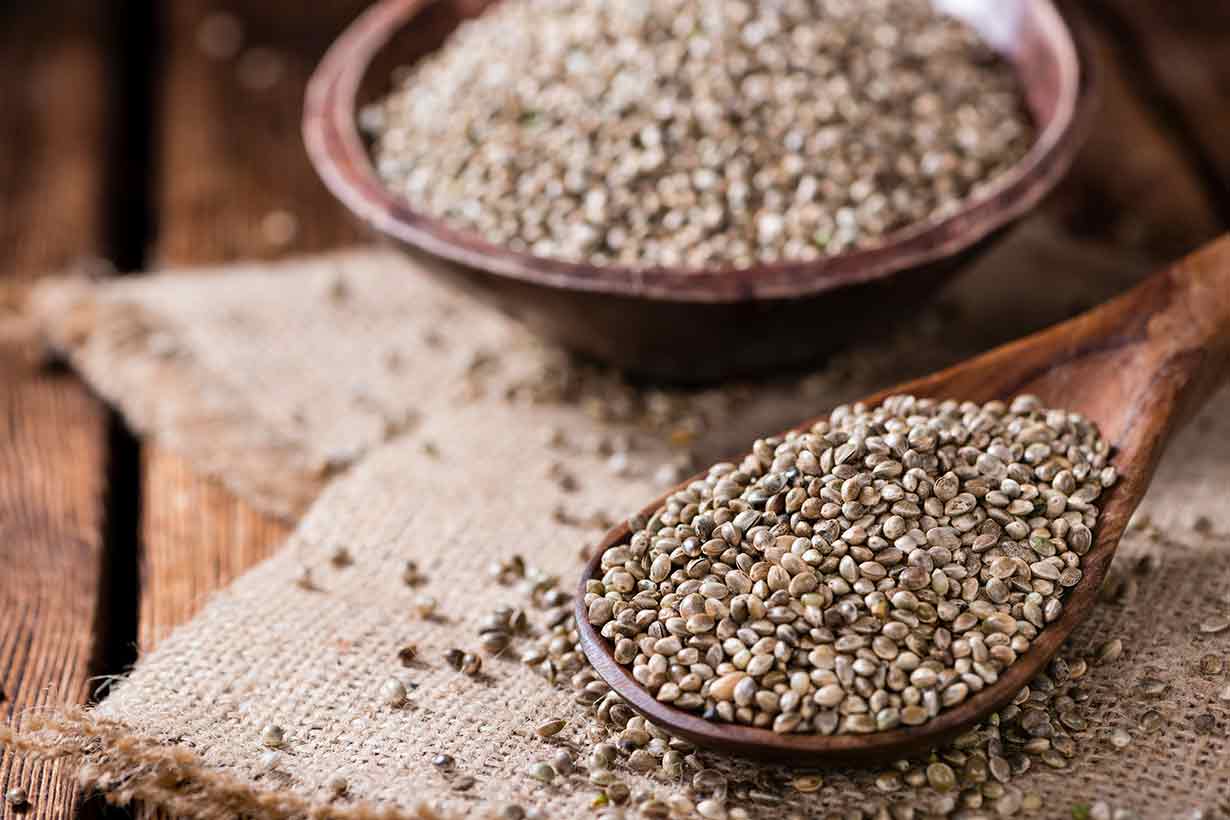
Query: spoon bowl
{"x":1139,"y":366}
{"x":694,"y":325}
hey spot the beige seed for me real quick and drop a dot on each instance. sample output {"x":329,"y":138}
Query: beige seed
{"x":393,"y":693}
{"x":941,"y":777}
{"x":542,"y":772}
{"x":272,"y":736}
{"x":1110,"y":651}
{"x":550,"y":728}
{"x":1215,"y":625}
{"x":17,"y":797}
{"x":806,"y":784}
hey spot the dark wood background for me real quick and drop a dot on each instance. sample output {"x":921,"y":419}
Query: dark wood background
{"x":124,"y":145}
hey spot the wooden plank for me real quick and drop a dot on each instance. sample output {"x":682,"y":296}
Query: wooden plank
{"x":1183,"y":53}
{"x":232,"y":161}
{"x":1132,"y":184}
{"x":52,"y":455}
{"x":234,"y":183}
{"x":197,"y":538}
{"x":53,"y":433}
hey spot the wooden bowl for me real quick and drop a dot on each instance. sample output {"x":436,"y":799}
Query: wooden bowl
{"x":696,"y":325}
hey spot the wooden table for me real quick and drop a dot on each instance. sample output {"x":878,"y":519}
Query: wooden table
{"x":131,"y":139}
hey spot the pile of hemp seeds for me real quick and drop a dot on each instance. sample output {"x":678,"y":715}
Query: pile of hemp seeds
{"x":700,"y":133}
{"x":862,"y":575}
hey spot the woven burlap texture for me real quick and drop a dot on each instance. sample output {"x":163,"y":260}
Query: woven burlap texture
{"x":300,"y":352}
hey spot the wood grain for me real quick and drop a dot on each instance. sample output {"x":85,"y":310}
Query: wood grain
{"x":52,"y":455}
{"x":53,"y":433}
{"x":231,"y":155}
{"x":1183,"y":54}
{"x":1131,"y":185}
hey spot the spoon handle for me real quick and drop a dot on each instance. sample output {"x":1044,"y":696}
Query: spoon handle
{"x":1187,"y":333}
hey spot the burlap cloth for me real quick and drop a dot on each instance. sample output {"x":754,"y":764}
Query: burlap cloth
{"x":449,"y":430}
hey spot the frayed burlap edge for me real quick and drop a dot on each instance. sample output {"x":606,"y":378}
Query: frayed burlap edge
{"x":124,"y":767}
{"x":218,"y":431}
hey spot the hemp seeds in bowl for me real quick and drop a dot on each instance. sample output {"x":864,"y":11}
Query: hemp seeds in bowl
{"x":862,"y":575}
{"x":700,"y":134}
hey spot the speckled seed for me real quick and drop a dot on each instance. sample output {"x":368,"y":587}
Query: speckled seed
{"x":807,"y":783}
{"x":393,"y":693}
{"x":550,"y":728}
{"x":542,"y":772}
{"x":711,"y":810}
{"x":273,"y":736}
{"x":941,"y":777}
{"x":1110,"y":651}
{"x":16,"y":797}
{"x":1120,"y":739}
{"x":1214,"y":625}
{"x":731,"y":632}
{"x":1054,"y":759}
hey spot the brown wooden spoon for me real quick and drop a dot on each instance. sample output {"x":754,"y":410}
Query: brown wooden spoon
{"x":1140,"y":366}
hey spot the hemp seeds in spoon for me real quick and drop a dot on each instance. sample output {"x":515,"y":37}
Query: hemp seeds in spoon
{"x":862,"y":575}
{"x":700,"y":133}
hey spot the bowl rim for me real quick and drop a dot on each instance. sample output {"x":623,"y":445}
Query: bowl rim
{"x":338,"y":153}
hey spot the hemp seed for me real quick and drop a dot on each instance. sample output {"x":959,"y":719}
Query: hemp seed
{"x":864,"y":574}
{"x":273,"y":736}
{"x":712,"y":134}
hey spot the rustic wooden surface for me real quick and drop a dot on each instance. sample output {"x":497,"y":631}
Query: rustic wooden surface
{"x":53,"y":435}
{"x":212,"y":149}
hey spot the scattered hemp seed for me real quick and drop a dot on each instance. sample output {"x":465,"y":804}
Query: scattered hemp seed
{"x":699,"y":134}
{"x":393,"y":693}
{"x":337,"y":785}
{"x":550,"y":728}
{"x":562,"y":762}
{"x":341,"y":558}
{"x":17,"y":797}
{"x":1110,"y":651}
{"x":1215,"y":625}
{"x":270,"y":760}
{"x":443,"y":761}
{"x":411,"y":575}
{"x":471,"y":664}
{"x":862,"y":575}
{"x":425,"y":606}
{"x":465,"y":662}
{"x":304,"y":579}
{"x":408,"y":654}
{"x":542,"y":772}
{"x":273,"y":736}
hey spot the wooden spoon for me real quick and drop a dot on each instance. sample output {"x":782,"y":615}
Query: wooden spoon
{"x":1139,"y":366}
